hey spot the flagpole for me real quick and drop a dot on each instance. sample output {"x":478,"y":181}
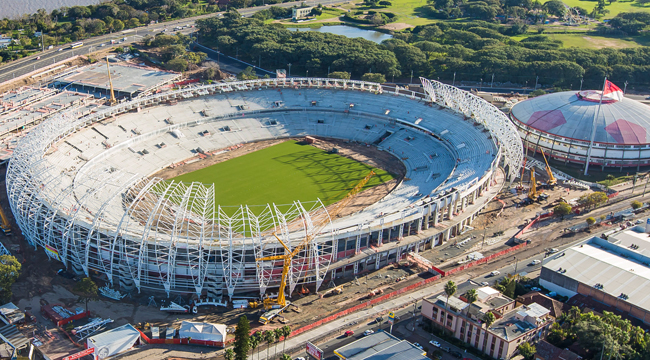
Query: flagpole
{"x":593,"y":127}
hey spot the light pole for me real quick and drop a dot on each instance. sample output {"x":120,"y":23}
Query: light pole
{"x":536,"y":79}
{"x":328,"y":71}
{"x":480,"y":86}
{"x":289,"y":65}
{"x":454,"y":82}
{"x":581,"y":84}
{"x":492,"y":83}
{"x":625,"y":88}
{"x":411,"y":77}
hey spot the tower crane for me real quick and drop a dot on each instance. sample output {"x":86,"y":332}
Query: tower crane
{"x":552,"y":181}
{"x":280,"y":303}
{"x":112,"y":101}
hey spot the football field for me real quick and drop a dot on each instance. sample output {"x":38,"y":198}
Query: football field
{"x":283,"y":173}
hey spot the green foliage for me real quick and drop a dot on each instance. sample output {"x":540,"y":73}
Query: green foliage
{"x":229,"y":354}
{"x":489,"y":319}
{"x":242,"y":337}
{"x":636,"y":204}
{"x":87,"y":290}
{"x":538,"y":92}
{"x":509,"y":285}
{"x":340,"y":75}
{"x":374,"y":77}
{"x":285,"y":357}
{"x":630,"y":22}
{"x":562,"y":209}
{"x":177,"y":64}
{"x":555,"y":7}
{"x":9,"y":273}
{"x":247,"y":74}
{"x":527,"y":350}
{"x":306,"y":50}
{"x":590,"y":221}
{"x":593,"y":200}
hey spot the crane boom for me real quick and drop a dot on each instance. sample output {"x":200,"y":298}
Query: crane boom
{"x":552,"y":181}
{"x":110,"y":82}
{"x":532,"y":191}
{"x":6,"y":225}
{"x":290,"y":254}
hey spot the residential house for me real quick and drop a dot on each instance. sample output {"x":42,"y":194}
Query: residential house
{"x":548,"y":351}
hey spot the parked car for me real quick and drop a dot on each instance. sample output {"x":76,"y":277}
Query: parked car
{"x":495,"y":273}
{"x":456,"y":354}
{"x":553,"y":251}
{"x":535,"y":288}
{"x":417,"y":345}
{"x":446,"y":349}
{"x":434,"y":343}
{"x":368,"y":332}
{"x":299,"y":358}
{"x":535,"y":262}
{"x":485,"y":283}
{"x":349,"y":333}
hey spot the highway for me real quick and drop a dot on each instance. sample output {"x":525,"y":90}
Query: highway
{"x":32,"y":63}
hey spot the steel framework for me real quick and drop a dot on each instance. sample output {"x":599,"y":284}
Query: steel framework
{"x":485,"y":113}
{"x":147,"y":233}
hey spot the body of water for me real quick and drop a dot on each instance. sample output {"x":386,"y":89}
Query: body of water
{"x":14,"y":8}
{"x":349,"y":31}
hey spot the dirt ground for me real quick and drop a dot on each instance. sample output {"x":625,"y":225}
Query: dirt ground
{"x":396,"y":26}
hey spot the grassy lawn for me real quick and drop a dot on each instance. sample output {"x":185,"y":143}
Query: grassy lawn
{"x":614,"y":8}
{"x":330,"y":14}
{"x":588,"y":41}
{"x":283,"y":173}
{"x":406,"y":11}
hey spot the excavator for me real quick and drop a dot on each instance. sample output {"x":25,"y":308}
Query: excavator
{"x":276,"y":306}
{"x":6,"y":225}
{"x":552,"y":181}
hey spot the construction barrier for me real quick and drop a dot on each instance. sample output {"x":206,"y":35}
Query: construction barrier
{"x":479,"y":261}
{"x":184,"y":341}
{"x":185,"y":82}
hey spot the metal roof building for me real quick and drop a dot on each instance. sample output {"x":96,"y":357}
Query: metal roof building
{"x":561,"y":124}
{"x":380,"y":345}
{"x":614,"y":272}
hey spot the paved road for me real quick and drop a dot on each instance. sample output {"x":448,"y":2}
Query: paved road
{"x":31,"y":63}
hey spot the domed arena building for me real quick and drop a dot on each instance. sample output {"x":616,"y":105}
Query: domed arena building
{"x":561,"y":125}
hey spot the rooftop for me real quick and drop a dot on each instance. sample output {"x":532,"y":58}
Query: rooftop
{"x":126,"y":79}
{"x":454,"y":302}
{"x":509,"y":327}
{"x":619,"y":270}
{"x":555,"y":307}
{"x":567,"y":115}
{"x":380,"y":346}
{"x":549,"y":351}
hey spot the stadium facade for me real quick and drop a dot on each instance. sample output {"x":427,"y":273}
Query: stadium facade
{"x":561,"y":125}
{"x":83,"y":189}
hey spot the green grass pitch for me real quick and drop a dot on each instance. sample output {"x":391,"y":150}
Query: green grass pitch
{"x":283,"y":173}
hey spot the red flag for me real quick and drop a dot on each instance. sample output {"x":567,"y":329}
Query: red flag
{"x":612,"y":91}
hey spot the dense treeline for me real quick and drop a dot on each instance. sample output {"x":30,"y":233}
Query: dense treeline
{"x":277,"y":47}
{"x":470,"y":50}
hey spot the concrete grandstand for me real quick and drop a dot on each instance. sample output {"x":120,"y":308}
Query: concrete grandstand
{"x":81,"y":186}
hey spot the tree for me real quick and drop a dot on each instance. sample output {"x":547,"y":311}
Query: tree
{"x":118,"y":25}
{"x":340,"y":75}
{"x":374,"y":77}
{"x":269,"y":337}
{"x":286,"y":357}
{"x":636,"y":204}
{"x":229,"y":354}
{"x":538,"y":92}
{"x":562,"y":209}
{"x":278,"y":335}
{"x":177,"y":64}
{"x":242,"y":338}
{"x":450,"y":290}
{"x":590,"y":221}
{"x":527,"y":350}
{"x":316,"y":11}
{"x":471,"y":297}
{"x":87,"y":290}
{"x":247,"y":74}
{"x":254,"y":341}
{"x":555,"y":7}
{"x":9,"y":273}
{"x":385,"y":3}
{"x":489,"y":319}
{"x":286,"y":332}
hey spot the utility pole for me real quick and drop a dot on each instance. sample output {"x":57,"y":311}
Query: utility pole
{"x":625,"y":88}
{"x":411,"y":77}
{"x":536,"y":80}
{"x":289,"y":65}
{"x":581,"y":80}
{"x":328,"y":71}
{"x":454,"y":82}
{"x":492,"y":82}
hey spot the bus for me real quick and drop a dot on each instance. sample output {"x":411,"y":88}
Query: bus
{"x":76,"y":45}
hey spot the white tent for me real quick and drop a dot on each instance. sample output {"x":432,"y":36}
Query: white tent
{"x":114,"y":341}
{"x":203,"y":331}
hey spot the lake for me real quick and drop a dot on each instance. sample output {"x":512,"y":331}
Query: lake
{"x":14,"y":8}
{"x":349,"y":31}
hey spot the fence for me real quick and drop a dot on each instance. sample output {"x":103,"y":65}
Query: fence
{"x":479,"y":261}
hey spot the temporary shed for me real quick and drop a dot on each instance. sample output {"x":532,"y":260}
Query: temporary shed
{"x":203,"y":331}
{"x":114,"y":341}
